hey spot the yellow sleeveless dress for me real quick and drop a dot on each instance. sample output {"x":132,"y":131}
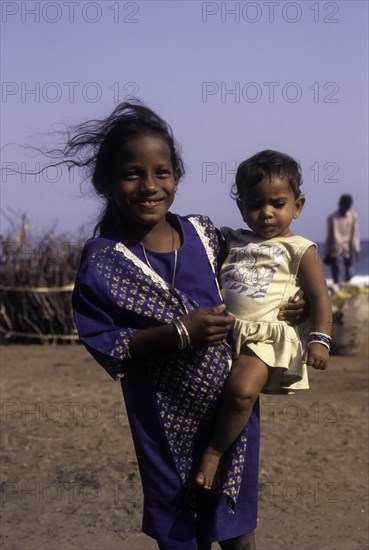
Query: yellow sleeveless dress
{"x":257,"y":277}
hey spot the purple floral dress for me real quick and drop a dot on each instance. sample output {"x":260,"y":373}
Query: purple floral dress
{"x":170,"y":396}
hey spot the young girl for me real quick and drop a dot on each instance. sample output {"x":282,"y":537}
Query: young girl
{"x":148,"y":308}
{"x":153,"y":321}
{"x":263,"y":268}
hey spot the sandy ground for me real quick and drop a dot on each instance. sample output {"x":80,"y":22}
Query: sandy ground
{"x":70,"y":479}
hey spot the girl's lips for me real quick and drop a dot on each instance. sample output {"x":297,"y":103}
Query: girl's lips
{"x":148,"y":202}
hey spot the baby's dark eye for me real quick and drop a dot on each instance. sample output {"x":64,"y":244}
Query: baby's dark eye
{"x":279,"y":204}
{"x":252,"y":205}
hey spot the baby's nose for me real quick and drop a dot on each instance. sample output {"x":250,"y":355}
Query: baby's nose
{"x":266,"y":211}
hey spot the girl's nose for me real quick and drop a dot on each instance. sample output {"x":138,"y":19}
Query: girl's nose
{"x":148,"y":184}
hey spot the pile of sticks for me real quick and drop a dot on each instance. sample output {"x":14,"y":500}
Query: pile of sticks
{"x":36,"y":282}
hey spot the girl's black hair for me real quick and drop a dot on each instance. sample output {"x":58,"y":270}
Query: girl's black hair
{"x":97,"y":145}
{"x":265,"y":165}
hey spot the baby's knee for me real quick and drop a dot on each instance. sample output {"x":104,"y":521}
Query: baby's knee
{"x":242,"y":397}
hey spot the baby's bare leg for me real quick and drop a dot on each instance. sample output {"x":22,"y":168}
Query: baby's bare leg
{"x":247,"y":378}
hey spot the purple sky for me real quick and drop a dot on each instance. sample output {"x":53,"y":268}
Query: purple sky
{"x":231,"y":78}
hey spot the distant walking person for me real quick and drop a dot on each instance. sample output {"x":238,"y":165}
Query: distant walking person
{"x":343,"y":239}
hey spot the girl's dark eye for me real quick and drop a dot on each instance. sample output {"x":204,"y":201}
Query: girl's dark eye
{"x":279,"y":204}
{"x":129,"y":174}
{"x":163,"y":172}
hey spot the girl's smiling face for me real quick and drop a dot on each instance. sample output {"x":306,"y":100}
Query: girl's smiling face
{"x":145,"y":183}
{"x":269,"y":207}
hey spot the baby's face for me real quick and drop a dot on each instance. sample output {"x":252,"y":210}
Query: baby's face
{"x":269,"y":207}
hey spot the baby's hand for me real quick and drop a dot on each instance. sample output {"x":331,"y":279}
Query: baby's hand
{"x":316,"y":356}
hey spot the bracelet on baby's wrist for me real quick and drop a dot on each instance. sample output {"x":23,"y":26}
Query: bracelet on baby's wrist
{"x":319,"y":338}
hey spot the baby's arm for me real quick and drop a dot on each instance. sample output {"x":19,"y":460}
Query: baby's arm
{"x":313,"y":282}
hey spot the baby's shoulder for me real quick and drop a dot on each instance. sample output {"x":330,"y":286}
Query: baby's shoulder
{"x":301,"y":241}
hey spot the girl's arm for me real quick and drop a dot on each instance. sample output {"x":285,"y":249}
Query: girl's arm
{"x":313,"y":281}
{"x":205,"y":327}
{"x":113,"y":332}
{"x":112,"y":343}
{"x":296,"y":310}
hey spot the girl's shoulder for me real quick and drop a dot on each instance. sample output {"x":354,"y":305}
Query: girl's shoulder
{"x":97,"y":248}
{"x":202,"y":225}
{"x":201,"y":229}
{"x":97,"y":243}
{"x":198,"y":218}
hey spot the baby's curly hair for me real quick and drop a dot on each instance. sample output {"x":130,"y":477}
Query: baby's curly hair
{"x":265,"y":165}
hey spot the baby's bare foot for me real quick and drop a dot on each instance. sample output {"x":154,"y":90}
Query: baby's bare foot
{"x":208,"y":468}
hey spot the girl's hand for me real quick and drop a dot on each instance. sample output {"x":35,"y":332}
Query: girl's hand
{"x":316,"y":356}
{"x":296,"y":310}
{"x":207,"y":326}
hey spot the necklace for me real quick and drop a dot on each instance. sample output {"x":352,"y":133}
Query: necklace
{"x":175,"y":258}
